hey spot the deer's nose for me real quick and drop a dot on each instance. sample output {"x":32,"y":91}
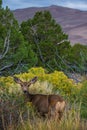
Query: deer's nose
{"x":25,"y":91}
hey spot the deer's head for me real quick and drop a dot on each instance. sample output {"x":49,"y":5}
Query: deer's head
{"x":25,"y":85}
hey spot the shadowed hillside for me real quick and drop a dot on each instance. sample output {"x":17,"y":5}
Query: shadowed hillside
{"x":73,"y":22}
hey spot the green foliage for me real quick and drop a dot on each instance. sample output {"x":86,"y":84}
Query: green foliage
{"x":43,"y":33}
{"x":16,"y":54}
{"x":39,"y":41}
{"x":77,"y":58}
{"x":83,"y":99}
{"x":0,"y":4}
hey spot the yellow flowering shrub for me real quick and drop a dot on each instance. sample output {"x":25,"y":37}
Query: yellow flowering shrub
{"x":47,"y":83}
{"x":39,"y":72}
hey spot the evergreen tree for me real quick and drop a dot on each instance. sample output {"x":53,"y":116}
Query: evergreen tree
{"x":15,"y":54}
{"x":46,"y":37}
{"x":0,"y":4}
{"x":77,"y":58}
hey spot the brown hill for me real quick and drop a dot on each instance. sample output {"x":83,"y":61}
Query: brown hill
{"x":73,"y":22}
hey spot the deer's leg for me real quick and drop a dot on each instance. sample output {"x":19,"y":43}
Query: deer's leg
{"x":60,"y":115}
{"x":52,"y":113}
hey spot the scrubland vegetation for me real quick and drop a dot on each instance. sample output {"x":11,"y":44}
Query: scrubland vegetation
{"x":39,"y":47}
{"x":15,"y":113}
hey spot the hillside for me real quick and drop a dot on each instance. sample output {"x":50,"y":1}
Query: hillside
{"x":73,"y":22}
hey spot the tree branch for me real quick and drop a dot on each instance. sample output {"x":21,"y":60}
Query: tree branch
{"x":62,"y":41}
{"x":6,"y":46}
{"x":7,"y":66}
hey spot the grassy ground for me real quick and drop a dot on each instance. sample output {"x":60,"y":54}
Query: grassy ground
{"x":16,"y":114}
{"x":70,"y":121}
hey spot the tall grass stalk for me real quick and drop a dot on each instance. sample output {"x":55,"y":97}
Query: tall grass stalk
{"x":70,"y":121}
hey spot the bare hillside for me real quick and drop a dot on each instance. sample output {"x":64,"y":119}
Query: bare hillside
{"x":73,"y":22}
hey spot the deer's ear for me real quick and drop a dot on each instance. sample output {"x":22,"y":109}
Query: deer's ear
{"x":32,"y":81}
{"x":17,"y":80}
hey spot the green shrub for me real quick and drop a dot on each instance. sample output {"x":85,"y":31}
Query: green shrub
{"x":83,"y":99}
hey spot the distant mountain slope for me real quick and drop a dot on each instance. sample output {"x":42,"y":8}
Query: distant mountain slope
{"x":73,"y":22}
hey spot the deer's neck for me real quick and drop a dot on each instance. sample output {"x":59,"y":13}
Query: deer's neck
{"x":28,"y":96}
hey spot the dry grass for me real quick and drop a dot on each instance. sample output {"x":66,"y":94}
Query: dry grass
{"x":70,"y":121}
{"x":15,"y":114}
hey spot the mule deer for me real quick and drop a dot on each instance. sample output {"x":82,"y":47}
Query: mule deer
{"x":51,"y":105}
